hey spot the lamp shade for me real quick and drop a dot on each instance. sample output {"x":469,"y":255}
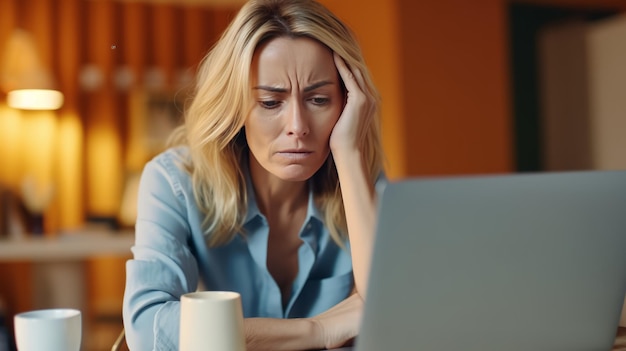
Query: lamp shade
{"x":26,"y":80}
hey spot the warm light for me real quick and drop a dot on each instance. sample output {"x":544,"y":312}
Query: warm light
{"x":26,"y":79}
{"x":35,"y":99}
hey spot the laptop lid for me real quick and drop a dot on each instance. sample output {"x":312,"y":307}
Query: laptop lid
{"x":511,"y":262}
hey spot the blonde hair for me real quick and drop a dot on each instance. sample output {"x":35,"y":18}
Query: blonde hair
{"x":222,"y":100}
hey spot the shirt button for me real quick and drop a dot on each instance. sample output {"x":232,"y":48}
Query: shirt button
{"x":308,"y":226}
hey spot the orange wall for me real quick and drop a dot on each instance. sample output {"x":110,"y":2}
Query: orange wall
{"x":456,"y":78}
{"x":442,"y":69}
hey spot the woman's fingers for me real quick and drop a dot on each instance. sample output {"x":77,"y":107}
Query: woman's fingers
{"x":344,"y":72}
{"x":359,"y":107}
{"x":352,"y":80}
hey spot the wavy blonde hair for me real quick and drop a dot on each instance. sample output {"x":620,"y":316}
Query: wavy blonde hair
{"x":222,"y":100}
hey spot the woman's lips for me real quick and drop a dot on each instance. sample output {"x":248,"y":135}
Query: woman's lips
{"x":295,"y":154}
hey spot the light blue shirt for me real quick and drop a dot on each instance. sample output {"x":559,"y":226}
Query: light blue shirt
{"x":171,"y":259}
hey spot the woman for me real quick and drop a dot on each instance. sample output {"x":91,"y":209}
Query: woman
{"x":269,"y":189}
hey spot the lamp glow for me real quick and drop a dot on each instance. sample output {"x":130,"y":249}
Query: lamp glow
{"x":35,"y":99}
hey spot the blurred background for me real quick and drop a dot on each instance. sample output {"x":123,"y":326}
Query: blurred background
{"x":468,"y":87}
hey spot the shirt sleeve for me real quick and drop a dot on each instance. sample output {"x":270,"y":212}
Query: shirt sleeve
{"x":163,"y":266}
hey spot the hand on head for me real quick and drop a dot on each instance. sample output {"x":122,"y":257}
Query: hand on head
{"x":359,"y":109}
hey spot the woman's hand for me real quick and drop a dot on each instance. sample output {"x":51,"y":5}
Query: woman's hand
{"x":340,"y":324}
{"x":359,"y":109}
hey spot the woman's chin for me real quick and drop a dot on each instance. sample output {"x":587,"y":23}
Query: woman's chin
{"x":296,"y":173}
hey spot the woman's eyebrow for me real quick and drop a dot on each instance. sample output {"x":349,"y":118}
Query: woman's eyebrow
{"x":271,"y":89}
{"x":317,"y":85}
{"x":284,"y":90}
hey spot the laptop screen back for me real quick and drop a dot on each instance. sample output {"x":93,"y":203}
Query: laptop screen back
{"x":515,"y":262}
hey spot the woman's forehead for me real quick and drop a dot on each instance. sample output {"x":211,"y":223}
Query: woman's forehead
{"x":285,"y":59}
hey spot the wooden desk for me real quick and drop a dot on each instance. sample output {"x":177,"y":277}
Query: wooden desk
{"x":620,"y":341}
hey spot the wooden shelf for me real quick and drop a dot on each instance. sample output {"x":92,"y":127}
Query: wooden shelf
{"x":66,"y":247}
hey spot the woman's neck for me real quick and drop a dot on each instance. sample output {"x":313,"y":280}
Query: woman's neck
{"x":276,"y":196}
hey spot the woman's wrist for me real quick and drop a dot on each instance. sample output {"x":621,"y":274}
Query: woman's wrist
{"x":346,"y":157}
{"x":318,"y":336}
{"x":283,"y":334}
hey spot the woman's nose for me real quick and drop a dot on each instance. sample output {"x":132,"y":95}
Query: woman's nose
{"x":297,"y":121}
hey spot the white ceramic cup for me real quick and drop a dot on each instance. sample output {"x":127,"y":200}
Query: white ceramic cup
{"x":211,"y":320}
{"x":57,"y":329}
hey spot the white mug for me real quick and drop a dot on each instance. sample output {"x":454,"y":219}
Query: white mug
{"x":57,"y":329}
{"x":211,"y":320}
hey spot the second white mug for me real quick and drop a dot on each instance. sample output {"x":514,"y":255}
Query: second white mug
{"x":211,"y":320}
{"x":57,"y":329}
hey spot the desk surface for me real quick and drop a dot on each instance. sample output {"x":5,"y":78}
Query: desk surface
{"x":620,"y":341}
{"x":74,"y":246}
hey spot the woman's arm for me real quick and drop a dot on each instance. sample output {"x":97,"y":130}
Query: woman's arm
{"x":359,"y":195}
{"x":163,"y":267}
{"x":275,"y":334}
{"x":331,"y":329}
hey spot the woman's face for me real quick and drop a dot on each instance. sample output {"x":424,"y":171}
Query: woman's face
{"x":298,"y":99}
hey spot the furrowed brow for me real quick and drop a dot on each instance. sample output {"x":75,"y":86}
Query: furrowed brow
{"x":270,"y":89}
{"x":317,"y":85}
{"x":283,"y":90}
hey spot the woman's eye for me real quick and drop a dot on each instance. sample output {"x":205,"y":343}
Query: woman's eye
{"x":320,"y":100}
{"x":269,"y":104}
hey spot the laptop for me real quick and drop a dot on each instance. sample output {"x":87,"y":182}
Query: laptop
{"x":505,"y":262}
